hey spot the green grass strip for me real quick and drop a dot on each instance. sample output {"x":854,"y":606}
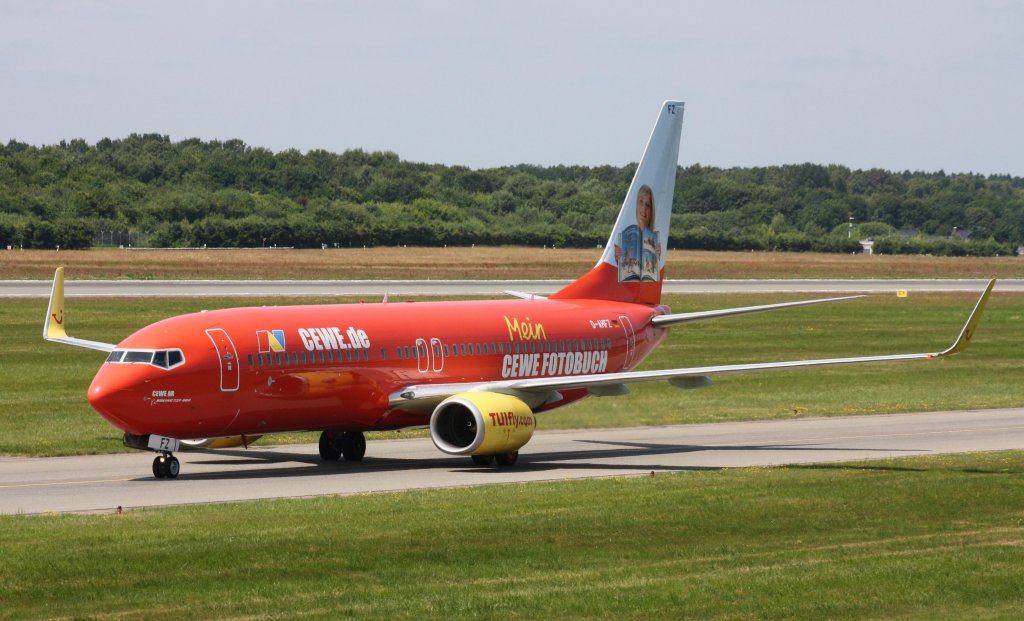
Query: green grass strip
{"x":922,"y":538}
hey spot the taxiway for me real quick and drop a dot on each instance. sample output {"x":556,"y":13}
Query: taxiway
{"x":97,"y":483}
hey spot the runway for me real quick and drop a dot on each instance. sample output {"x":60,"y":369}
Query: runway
{"x":378,"y":288}
{"x":99,"y":483}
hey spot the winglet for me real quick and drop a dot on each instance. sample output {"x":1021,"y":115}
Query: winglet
{"x":964,"y":339}
{"x":53,"y":327}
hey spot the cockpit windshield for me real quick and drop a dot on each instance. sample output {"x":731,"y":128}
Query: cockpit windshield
{"x":163,"y":358}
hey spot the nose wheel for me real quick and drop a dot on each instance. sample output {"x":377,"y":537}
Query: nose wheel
{"x":166,"y":466}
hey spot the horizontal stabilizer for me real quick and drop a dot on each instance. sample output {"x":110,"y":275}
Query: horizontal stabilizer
{"x":523,"y":295}
{"x":677,"y":318}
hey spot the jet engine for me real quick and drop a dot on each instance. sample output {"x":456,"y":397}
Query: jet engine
{"x":481,"y":423}
{"x":219,"y":443}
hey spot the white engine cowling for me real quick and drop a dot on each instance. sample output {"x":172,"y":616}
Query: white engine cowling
{"x":481,"y":423}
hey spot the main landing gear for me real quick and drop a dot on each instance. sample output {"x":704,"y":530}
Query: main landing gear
{"x":166,"y":466}
{"x":348,"y":444}
{"x":503,"y":459}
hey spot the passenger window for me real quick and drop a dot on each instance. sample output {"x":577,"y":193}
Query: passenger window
{"x":383,"y":354}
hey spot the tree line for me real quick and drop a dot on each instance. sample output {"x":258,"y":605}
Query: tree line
{"x":191,"y":193}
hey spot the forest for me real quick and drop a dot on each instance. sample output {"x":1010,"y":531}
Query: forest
{"x":146,"y":190}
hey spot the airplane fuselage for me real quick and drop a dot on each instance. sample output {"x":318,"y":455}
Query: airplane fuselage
{"x":248,"y":371}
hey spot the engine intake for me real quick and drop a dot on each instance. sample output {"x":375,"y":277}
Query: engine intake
{"x":481,"y":423}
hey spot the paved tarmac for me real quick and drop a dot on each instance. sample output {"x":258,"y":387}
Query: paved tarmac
{"x":100,"y":483}
{"x":377,"y":288}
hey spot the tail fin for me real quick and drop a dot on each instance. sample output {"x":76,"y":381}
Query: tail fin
{"x":633,"y":264}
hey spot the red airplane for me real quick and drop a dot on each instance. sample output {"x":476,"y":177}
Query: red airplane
{"x":476,"y":372}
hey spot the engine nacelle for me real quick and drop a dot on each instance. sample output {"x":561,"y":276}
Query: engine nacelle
{"x":219,"y":443}
{"x":481,"y":423}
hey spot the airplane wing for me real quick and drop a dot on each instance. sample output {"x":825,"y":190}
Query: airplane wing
{"x":536,"y":391}
{"x":53,"y":328}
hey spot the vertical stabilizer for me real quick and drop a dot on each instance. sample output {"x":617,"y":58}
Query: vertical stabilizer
{"x":633,"y":264}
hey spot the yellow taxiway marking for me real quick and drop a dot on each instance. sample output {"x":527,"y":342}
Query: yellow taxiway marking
{"x":63,"y":483}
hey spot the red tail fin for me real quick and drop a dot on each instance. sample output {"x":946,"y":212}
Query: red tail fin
{"x":633,"y":264}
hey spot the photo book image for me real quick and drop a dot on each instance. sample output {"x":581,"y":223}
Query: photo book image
{"x":639,"y":259}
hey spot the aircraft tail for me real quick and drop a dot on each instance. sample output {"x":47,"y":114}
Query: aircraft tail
{"x":633,"y":264}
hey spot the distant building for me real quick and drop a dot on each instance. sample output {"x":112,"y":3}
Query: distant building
{"x":961,"y":233}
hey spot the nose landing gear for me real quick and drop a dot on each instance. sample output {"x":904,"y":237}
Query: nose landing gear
{"x":166,"y":466}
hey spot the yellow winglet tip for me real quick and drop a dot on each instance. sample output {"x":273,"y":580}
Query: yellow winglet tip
{"x":967,"y":333}
{"x":54,"y":327}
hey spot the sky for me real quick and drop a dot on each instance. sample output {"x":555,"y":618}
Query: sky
{"x":896,"y":84}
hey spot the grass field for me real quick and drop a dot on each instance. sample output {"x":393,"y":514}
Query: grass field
{"x":479,"y":263}
{"x":44,"y":384}
{"x":922,"y":538}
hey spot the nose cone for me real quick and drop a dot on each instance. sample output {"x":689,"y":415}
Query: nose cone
{"x":116,"y":393}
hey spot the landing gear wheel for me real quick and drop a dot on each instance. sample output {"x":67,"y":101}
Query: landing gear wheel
{"x":353,"y":445}
{"x":166,"y":467}
{"x":159,"y":468}
{"x":507,"y":459}
{"x":173,"y":467}
{"x":483,"y":460}
{"x":329,"y":449}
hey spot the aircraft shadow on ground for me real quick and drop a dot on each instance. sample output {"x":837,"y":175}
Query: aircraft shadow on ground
{"x":242,"y":464}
